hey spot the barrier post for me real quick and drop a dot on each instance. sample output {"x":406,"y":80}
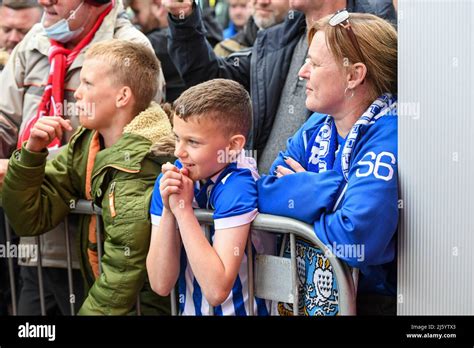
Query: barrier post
{"x":294,"y":275}
{"x":250,"y":273}
{"x":69,"y":268}
{"x":174,"y":309}
{"x":40,"y":276}
{"x":8,"y":235}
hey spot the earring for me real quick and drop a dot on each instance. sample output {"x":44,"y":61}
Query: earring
{"x":345,"y":93}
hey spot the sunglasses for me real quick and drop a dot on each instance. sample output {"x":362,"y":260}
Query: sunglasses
{"x":341,"y":18}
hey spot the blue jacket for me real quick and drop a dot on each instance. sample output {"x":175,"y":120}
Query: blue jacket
{"x":262,"y":69}
{"x":367,"y":204}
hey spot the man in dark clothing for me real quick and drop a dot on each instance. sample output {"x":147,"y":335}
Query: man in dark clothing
{"x":268,"y":70}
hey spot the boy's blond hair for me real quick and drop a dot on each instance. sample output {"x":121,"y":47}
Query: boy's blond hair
{"x":222,"y":101}
{"x":131,"y":64}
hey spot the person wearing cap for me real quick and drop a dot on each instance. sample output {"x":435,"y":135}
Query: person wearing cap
{"x":29,"y":90}
{"x":17,"y":18}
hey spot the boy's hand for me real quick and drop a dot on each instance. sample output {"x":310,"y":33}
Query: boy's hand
{"x":45,"y":131}
{"x":183,"y":199}
{"x":179,"y":8}
{"x":170,"y":183}
{"x":168,"y":166}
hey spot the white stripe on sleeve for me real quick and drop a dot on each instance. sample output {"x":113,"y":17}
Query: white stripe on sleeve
{"x":155,"y":220}
{"x":234,"y":221}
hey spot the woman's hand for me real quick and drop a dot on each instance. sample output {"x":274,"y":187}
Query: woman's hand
{"x":281,"y":171}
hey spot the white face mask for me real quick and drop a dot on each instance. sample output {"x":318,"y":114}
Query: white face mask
{"x":60,"y":31}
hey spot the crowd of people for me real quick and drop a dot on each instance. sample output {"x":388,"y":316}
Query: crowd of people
{"x":151,"y":108}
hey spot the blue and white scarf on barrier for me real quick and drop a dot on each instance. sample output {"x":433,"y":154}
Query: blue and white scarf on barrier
{"x":322,"y":153}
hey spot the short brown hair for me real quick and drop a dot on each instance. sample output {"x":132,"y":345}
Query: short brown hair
{"x":131,"y":64}
{"x":220,"y":100}
{"x":378,"y":42}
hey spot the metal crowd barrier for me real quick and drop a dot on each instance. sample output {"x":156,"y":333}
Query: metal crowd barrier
{"x":293,"y":228}
{"x":263,"y":222}
{"x":82,"y":207}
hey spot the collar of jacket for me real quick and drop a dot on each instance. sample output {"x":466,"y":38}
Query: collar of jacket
{"x":362,"y":6}
{"x":40,"y":42}
{"x":148,"y":128}
{"x":350,"y":5}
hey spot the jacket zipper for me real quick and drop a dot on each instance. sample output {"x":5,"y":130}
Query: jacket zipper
{"x":113,"y":213}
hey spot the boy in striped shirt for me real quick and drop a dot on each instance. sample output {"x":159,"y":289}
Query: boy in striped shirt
{"x":211,"y":122}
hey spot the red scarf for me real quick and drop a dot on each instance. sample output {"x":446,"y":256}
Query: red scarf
{"x":60,"y":59}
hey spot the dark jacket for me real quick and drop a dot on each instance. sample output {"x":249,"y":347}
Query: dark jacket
{"x":159,"y":40}
{"x":248,"y":35}
{"x":262,"y":70}
{"x":174,"y":83}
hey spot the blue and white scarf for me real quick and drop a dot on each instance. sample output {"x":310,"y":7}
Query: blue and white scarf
{"x":322,"y":153}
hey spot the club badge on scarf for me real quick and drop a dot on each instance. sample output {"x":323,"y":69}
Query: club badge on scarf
{"x":60,"y":59}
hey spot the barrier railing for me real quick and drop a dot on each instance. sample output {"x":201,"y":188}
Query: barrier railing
{"x":293,"y":228}
{"x":11,"y":273}
{"x":263,"y":222}
{"x":82,"y":207}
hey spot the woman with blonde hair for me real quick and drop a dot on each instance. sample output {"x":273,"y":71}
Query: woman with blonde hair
{"x":339,"y":171}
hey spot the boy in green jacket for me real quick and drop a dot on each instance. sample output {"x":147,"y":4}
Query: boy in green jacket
{"x":108,"y":161}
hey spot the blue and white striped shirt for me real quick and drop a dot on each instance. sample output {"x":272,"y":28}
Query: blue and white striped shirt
{"x":232,"y":194}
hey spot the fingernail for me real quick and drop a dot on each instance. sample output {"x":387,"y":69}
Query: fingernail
{"x":286,"y":158}
{"x":275,"y":172}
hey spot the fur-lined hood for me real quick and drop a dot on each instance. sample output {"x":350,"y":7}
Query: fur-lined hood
{"x":154,"y":125}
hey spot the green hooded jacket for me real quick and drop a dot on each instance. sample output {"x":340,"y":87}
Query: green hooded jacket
{"x":38,"y":194}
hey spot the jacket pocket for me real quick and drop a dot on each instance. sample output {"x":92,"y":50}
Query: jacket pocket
{"x":126,"y":201}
